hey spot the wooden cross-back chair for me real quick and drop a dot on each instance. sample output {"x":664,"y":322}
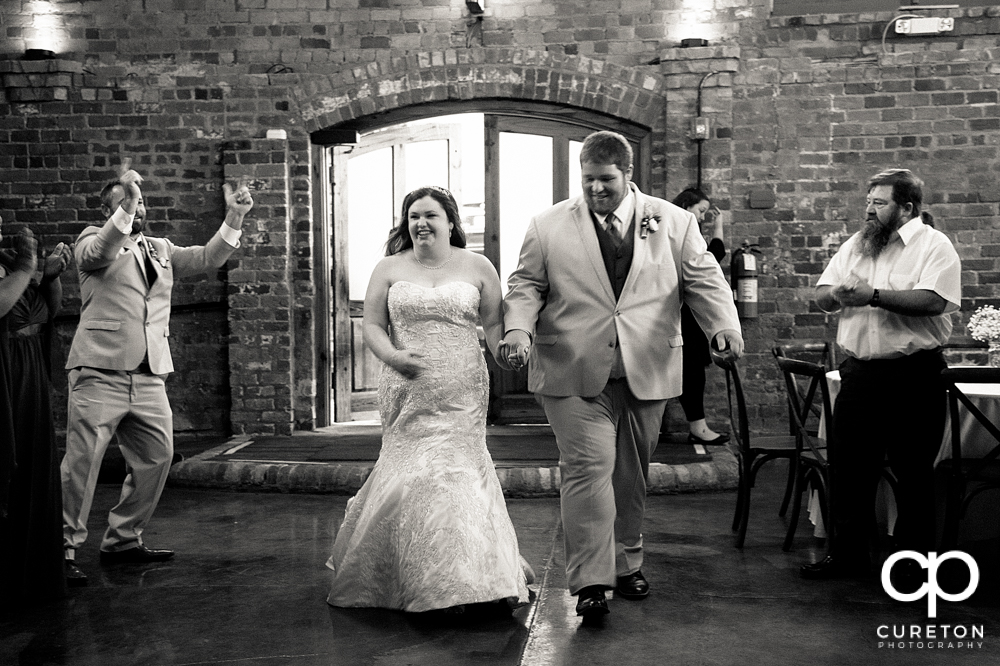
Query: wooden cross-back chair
{"x":967,"y":477}
{"x":752,"y":451}
{"x":808,"y":393}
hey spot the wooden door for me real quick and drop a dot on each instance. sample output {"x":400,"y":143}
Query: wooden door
{"x":521,"y":153}
{"x":376,"y":176}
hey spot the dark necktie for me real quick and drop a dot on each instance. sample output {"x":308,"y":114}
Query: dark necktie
{"x":150,"y":270}
{"x":611,"y":228}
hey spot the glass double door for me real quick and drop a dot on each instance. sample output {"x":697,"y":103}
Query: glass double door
{"x":502,"y":169}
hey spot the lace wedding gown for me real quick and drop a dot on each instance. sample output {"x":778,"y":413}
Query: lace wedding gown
{"x":429,"y":528}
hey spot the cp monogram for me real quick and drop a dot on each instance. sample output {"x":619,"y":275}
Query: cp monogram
{"x":930,"y":589}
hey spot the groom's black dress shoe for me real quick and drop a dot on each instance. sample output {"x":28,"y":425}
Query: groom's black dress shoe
{"x":632,"y":586}
{"x":831,"y":567}
{"x":138,"y":555}
{"x":74,"y":576}
{"x":591,"y":603}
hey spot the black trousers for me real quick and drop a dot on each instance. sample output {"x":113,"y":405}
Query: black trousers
{"x":891,"y":409}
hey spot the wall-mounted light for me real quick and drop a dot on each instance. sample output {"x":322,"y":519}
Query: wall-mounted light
{"x":47,"y":31}
{"x":38,"y":54}
{"x":693,"y":42}
{"x":476,"y":6}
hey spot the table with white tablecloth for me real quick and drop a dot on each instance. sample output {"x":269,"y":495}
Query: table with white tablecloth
{"x":976,"y":443}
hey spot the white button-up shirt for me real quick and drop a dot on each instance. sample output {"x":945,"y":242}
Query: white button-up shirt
{"x":917,"y":257}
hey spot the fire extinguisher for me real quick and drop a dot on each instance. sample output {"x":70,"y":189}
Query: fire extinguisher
{"x":744,"y":270}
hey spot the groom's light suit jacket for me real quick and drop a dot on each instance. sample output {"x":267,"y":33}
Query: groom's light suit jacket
{"x":562,"y":295}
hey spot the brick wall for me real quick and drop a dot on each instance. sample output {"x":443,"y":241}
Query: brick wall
{"x":806,"y":107}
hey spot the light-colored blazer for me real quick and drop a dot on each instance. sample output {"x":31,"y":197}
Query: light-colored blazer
{"x":122,"y":318}
{"x":561,"y":294}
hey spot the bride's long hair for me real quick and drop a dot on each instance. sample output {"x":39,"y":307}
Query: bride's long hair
{"x":399,"y":237}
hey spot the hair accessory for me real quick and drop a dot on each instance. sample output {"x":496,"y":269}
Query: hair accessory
{"x":441,"y":190}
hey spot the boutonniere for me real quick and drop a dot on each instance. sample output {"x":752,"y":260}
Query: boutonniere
{"x":650,"y":221}
{"x":155,"y":256}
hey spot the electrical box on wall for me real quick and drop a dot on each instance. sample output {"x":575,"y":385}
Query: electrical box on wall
{"x":700,"y":128}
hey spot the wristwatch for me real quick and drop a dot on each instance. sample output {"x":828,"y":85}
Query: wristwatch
{"x":874,"y":299}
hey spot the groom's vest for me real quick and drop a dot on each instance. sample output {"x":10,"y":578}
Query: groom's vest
{"x":617,"y":260}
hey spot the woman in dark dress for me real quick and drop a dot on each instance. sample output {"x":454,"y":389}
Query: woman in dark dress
{"x":696,"y":352}
{"x":32,"y":569}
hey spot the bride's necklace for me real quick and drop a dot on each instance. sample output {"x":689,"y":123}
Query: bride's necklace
{"x":439,"y":266}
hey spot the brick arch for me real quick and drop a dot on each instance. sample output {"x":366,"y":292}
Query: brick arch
{"x":629,"y":93}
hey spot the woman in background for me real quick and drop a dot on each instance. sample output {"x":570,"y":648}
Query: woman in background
{"x":696,"y":352}
{"x":31,"y":559}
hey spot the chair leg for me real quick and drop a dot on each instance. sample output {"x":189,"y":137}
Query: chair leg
{"x":793,"y":469}
{"x":742,"y":517}
{"x":952,"y":514}
{"x":793,"y":522}
{"x":739,"y":497}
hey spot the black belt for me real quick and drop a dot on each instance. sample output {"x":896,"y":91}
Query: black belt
{"x":142,"y":369}
{"x":919,"y":358}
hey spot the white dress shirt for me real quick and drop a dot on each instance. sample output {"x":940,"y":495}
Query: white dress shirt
{"x":917,"y":257}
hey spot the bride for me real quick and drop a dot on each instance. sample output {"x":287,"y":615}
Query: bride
{"x":429,"y":528}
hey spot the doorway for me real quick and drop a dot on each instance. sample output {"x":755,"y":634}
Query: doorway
{"x":502,"y":165}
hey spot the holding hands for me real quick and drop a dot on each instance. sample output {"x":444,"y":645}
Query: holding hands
{"x":513,"y":350}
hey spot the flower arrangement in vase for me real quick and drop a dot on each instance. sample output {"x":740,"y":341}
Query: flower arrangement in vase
{"x":984,"y":325}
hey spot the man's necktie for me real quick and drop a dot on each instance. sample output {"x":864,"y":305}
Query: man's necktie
{"x":612,"y":228}
{"x":150,"y":270}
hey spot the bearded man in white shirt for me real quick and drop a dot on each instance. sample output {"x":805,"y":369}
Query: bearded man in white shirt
{"x":896,"y":282}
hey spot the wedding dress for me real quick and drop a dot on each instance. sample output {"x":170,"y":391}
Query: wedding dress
{"x":429,"y":528}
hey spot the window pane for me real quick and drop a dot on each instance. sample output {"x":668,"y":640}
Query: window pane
{"x":426,"y":164}
{"x":575,"y":173}
{"x":525,"y":191}
{"x":369,"y":215}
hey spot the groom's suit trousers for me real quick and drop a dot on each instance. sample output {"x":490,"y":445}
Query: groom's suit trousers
{"x":605,"y":444}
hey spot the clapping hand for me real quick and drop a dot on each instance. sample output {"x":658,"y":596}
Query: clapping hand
{"x":57,"y":261}
{"x":238,"y":201}
{"x":25,"y":251}
{"x":407,"y":363}
{"x":854,"y":291}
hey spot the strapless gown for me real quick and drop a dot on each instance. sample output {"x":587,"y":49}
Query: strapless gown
{"x":429,"y":528}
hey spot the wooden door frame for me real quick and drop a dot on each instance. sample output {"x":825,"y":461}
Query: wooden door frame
{"x":332,"y":308}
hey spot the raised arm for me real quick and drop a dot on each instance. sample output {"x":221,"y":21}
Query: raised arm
{"x":200,"y":258}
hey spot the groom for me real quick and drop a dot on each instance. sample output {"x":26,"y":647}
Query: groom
{"x":598,"y":292}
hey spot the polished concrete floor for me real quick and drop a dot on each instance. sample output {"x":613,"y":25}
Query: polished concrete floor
{"x":248,"y":587}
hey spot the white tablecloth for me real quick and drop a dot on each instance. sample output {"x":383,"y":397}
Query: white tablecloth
{"x":976,"y":442}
